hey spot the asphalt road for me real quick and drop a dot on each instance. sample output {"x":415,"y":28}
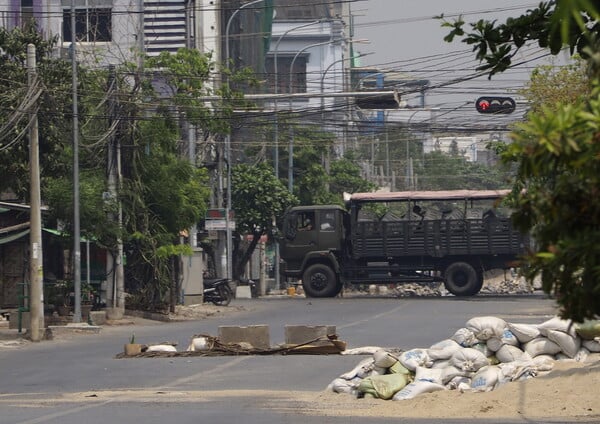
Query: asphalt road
{"x":79,"y":380}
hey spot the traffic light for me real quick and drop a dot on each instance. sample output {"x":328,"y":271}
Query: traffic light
{"x":489,"y":104}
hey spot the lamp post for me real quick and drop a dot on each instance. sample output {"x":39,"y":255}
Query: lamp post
{"x":228,"y":148}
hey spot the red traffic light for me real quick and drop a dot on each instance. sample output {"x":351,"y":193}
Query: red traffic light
{"x":490,"y":104}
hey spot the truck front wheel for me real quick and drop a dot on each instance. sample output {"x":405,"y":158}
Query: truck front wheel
{"x":320,"y":281}
{"x":461,"y":279}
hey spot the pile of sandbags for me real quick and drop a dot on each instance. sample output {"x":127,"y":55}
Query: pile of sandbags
{"x":486,"y":353}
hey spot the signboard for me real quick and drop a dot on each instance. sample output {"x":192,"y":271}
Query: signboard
{"x":218,"y":224}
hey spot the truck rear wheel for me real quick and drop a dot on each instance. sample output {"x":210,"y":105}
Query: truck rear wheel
{"x":461,"y":279}
{"x":320,"y":281}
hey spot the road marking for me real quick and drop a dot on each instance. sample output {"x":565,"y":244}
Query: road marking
{"x":362,"y":321}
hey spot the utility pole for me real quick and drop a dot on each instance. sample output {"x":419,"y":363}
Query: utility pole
{"x":36,"y":270}
{"x":76,"y":229}
{"x":114,"y":262}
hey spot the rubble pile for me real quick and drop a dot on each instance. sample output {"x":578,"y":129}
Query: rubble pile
{"x":486,"y":353}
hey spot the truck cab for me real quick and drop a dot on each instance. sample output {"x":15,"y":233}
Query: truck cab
{"x":311,"y":234}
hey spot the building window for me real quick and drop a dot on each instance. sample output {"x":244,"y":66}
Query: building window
{"x":283,"y":70}
{"x":91,"y":24}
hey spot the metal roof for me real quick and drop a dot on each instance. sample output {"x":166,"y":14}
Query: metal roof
{"x":426,"y":195}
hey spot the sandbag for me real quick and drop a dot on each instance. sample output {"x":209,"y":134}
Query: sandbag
{"x":161,"y":348}
{"x":589,"y":329}
{"x":543,"y":363}
{"x":459,"y":383}
{"x":340,"y":385}
{"x":483,"y":348}
{"x":440,"y":364}
{"x":362,"y":370}
{"x":485,"y":327}
{"x":451,"y":372}
{"x":383,"y":386}
{"x":464,"y":337}
{"x":384,"y":359}
{"x":198,"y":344}
{"x":398,"y":368}
{"x":591,"y":345}
{"x":485,"y":379}
{"x":524,"y":332}
{"x":433,"y":375}
{"x":364,"y":350}
{"x":508,"y":353}
{"x":558,"y":324}
{"x":541,"y":346}
{"x":469,"y":359}
{"x":417,"y":388}
{"x":443,"y":350}
{"x":414,"y":358}
{"x":569,"y":345}
{"x":507,"y":338}
{"x":517,"y":370}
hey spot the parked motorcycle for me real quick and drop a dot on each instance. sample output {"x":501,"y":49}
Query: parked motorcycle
{"x":217,"y":291}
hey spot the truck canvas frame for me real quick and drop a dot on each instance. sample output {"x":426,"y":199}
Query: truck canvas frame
{"x":400,"y":237}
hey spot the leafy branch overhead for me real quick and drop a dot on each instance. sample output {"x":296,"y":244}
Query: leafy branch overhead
{"x":552,"y":24}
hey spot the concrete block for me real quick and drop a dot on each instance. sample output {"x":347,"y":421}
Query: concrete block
{"x":98,"y":317}
{"x":299,"y":334}
{"x":255,"y":335}
{"x":243,"y":292}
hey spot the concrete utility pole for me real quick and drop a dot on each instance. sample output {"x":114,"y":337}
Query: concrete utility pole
{"x":76,"y":229}
{"x":36,"y":263}
{"x":114,"y":264}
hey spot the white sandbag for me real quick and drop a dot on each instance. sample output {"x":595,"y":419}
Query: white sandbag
{"x":198,"y":344}
{"x":485,"y":379}
{"x":517,"y":370}
{"x":340,"y":385}
{"x":417,"y":388}
{"x":440,"y":364}
{"x":464,"y":337}
{"x":443,"y":350}
{"x":483,"y":348}
{"x":524,"y":332}
{"x":582,"y":355}
{"x":459,"y":383}
{"x":558,"y":324}
{"x":161,"y":348}
{"x":382,"y":358}
{"x":543,"y":363}
{"x":508,"y":353}
{"x":507,"y":338}
{"x":414,"y":358}
{"x":591,"y":345}
{"x":541,"y":346}
{"x":450,"y":372}
{"x":486,"y":327}
{"x":569,"y":345}
{"x":433,"y":375}
{"x":469,"y":359}
{"x":364,"y":350}
{"x":362,"y":370}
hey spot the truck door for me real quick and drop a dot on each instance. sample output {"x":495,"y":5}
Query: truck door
{"x":300,"y":236}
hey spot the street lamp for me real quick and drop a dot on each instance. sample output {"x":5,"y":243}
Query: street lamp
{"x":228,"y":148}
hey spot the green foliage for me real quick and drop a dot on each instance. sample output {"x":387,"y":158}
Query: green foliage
{"x":556,"y":150}
{"x":259,"y":200}
{"x":552,"y":24}
{"x":345,"y":176}
{"x":54,"y":124}
{"x":559,"y":167}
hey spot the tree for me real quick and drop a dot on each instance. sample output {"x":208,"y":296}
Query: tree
{"x":557,"y":154}
{"x":259,"y":199}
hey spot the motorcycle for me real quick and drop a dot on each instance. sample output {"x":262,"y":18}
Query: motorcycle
{"x":217,"y":291}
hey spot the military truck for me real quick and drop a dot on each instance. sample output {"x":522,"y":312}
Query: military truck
{"x":400,"y":237}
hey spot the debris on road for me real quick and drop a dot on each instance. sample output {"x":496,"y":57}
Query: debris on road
{"x":483,"y":355}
